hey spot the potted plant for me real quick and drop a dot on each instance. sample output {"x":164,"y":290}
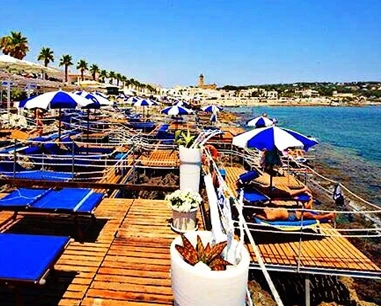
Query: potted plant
{"x":190,"y":160}
{"x":201,"y":275}
{"x":184,"y":205}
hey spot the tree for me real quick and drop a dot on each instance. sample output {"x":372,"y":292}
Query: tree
{"x":124,"y":80}
{"x":46,"y":55}
{"x":82,"y":66}
{"x":66,"y":61}
{"x":14,"y":45}
{"x":112,"y":76}
{"x":102,"y":75}
{"x":94,"y":69}
{"x":118,"y":77}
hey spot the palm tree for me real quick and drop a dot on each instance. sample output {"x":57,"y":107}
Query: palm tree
{"x":14,"y":45}
{"x":94,"y":69}
{"x":124,"y":80}
{"x":103,"y":74}
{"x":66,"y":60}
{"x":118,"y":77}
{"x":82,"y":66}
{"x":46,"y":55}
{"x":112,"y":76}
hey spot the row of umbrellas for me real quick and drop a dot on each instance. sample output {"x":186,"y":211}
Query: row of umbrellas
{"x":61,"y":99}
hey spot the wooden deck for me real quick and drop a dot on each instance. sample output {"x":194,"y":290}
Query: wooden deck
{"x":124,"y":259}
{"x":329,"y":254}
{"x":162,"y":158}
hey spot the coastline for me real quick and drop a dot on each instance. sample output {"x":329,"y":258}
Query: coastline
{"x":289,"y":103}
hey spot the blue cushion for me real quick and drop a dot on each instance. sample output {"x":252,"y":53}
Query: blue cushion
{"x":28,"y":257}
{"x":252,"y":195}
{"x":248,"y":176}
{"x":287,"y":223}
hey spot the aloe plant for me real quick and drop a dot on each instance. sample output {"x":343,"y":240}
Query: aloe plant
{"x":209,"y":255}
{"x":184,"y":138}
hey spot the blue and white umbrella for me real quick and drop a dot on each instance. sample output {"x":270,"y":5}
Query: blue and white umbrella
{"x":132,"y":100}
{"x":181,"y":103}
{"x":95,"y":98}
{"x":260,"y":121}
{"x":272,"y":138}
{"x":55,"y":99}
{"x":211,"y":108}
{"x":176,"y":110}
{"x":143,"y":102}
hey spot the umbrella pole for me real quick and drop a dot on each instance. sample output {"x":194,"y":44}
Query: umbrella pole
{"x":88,"y":129}
{"x":271,"y":183}
{"x":59,"y":124}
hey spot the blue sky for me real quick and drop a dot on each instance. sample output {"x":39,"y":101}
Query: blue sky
{"x":238,"y":42}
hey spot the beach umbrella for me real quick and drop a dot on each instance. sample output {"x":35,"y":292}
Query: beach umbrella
{"x":259,"y":122}
{"x":272,"y":138}
{"x":181,"y":103}
{"x":132,"y":100}
{"x":211,"y":108}
{"x":96,"y":98}
{"x":143,"y":102}
{"x":9,"y":62}
{"x":176,"y":110}
{"x":213,"y":117}
{"x":53,"y":100}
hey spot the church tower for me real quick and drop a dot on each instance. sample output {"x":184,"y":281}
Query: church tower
{"x":201,"y":81}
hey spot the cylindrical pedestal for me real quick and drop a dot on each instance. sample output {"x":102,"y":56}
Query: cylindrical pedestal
{"x":190,"y":168}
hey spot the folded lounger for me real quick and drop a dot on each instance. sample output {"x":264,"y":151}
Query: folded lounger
{"x":290,"y":226}
{"x":71,"y":145}
{"x":29,"y":258}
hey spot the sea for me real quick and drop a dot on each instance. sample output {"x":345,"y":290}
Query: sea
{"x":349,"y":140}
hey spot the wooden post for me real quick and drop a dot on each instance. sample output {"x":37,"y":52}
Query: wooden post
{"x":307,"y":293}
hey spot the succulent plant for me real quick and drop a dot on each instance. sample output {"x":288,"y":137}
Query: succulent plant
{"x":209,"y":255}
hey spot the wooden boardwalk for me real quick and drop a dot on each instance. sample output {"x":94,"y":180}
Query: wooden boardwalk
{"x":326,"y":253}
{"x":162,"y":158}
{"x":124,"y":259}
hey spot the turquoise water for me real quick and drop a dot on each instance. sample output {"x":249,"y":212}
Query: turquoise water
{"x":349,"y":140}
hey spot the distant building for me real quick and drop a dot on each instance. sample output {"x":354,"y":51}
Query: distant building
{"x":201,"y":83}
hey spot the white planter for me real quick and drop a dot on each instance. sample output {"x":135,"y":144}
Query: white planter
{"x":184,"y":221}
{"x":190,"y":168}
{"x":192,"y":287}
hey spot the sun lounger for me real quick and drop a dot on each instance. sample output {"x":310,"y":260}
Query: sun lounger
{"x":254,"y":196}
{"x":69,"y":201}
{"x":290,"y":226}
{"x":28,"y":258}
{"x":71,"y":145}
{"x":66,"y":200}
{"x":40,"y":175}
{"x":283,"y":187}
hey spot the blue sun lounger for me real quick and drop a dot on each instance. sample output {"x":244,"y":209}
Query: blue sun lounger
{"x":290,"y":226}
{"x":40,"y":175}
{"x":71,"y":145}
{"x":76,"y":202}
{"x":29,"y":258}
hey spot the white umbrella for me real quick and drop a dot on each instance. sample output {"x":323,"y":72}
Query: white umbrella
{"x":56,"y":99}
{"x":272,"y":138}
{"x":260,"y":122}
{"x":211,"y":108}
{"x":10,"y":62}
{"x":176,"y":110}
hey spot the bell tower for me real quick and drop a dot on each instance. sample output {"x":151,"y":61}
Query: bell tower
{"x":201,"y":80}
